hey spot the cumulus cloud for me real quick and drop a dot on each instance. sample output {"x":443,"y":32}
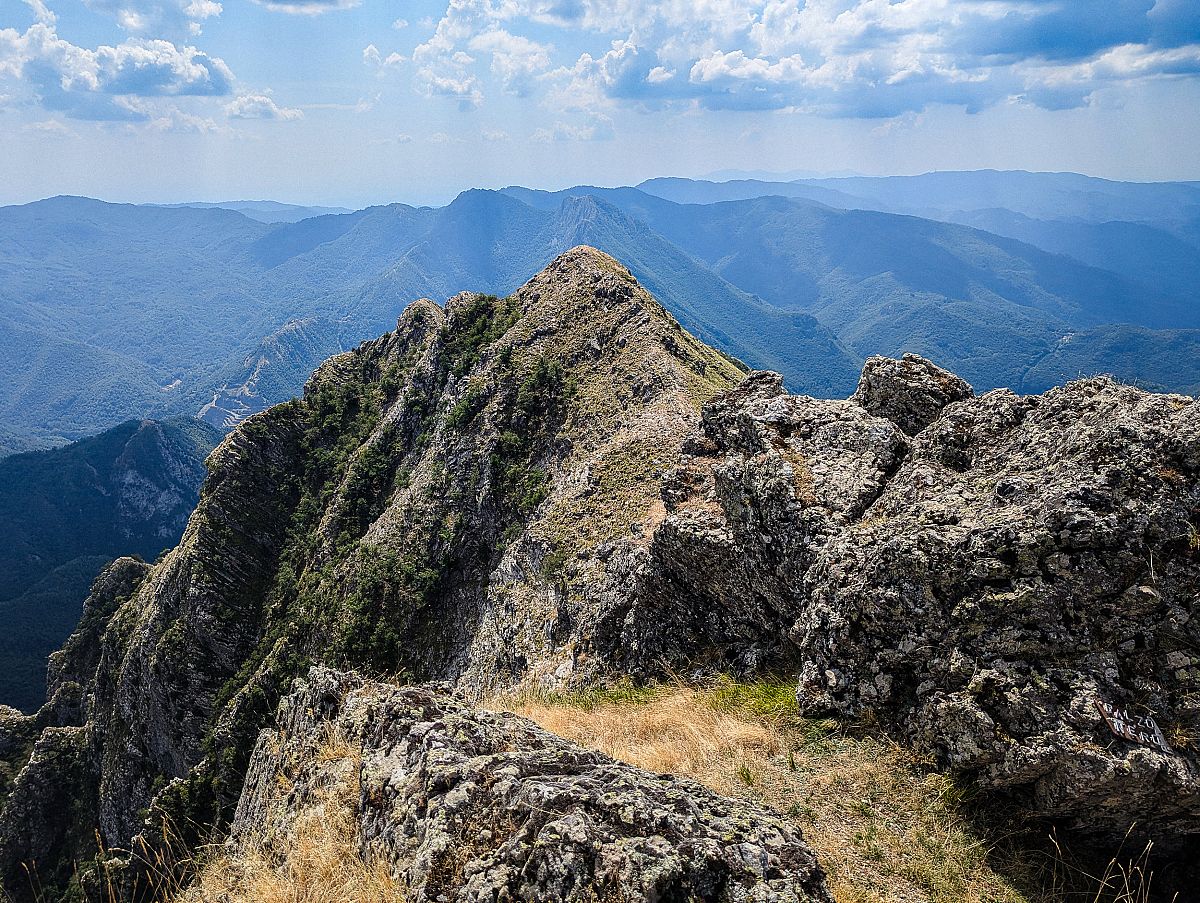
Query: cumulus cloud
{"x":466,"y":89}
{"x":494,"y":135}
{"x":171,"y":17}
{"x":516,"y":60}
{"x":107,"y":83}
{"x":868,"y":58}
{"x":599,"y":128}
{"x":260,"y":106}
{"x":373,"y":57}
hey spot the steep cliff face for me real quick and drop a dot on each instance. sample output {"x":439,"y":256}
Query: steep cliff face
{"x":65,"y":512}
{"x":564,"y":487}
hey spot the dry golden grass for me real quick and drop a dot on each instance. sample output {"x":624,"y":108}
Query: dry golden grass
{"x":320,"y":862}
{"x":884,"y":828}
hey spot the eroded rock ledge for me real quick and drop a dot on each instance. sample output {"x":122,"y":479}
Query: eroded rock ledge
{"x":564,"y":488}
{"x":472,"y":805}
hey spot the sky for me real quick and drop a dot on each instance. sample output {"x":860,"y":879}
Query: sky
{"x":353,"y":102}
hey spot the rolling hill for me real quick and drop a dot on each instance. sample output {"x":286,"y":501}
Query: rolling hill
{"x":112,"y":311}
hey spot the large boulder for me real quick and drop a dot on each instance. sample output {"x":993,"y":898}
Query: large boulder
{"x":1021,"y":602}
{"x":473,"y":805}
{"x":911,"y":392}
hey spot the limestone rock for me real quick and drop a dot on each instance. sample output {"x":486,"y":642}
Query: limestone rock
{"x":764,"y":483}
{"x":473,"y":805}
{"x":910,"y":392}
{"x":1031,"y":558}
{"x":564,"y":487}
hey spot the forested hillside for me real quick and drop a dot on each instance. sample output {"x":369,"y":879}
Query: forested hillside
{"x":66,"y":512}
{"x":113,"y":311}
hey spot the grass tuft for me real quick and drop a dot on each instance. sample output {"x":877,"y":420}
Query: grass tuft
{"x":883,"y":827}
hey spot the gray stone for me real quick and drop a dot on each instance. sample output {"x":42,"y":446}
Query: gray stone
{"x":910,"y":392}
{"x":470,"y":805}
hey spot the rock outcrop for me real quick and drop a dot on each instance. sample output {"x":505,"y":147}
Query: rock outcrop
{"x":464,"y":499}
{"x":473,"y":805}
{"x":1033,"y":561}
{"x":911,"y":392}
{"x":1003,"y":582}
{"x":563,"y":487}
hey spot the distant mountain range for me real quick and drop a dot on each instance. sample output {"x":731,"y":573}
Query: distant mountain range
{"x":111,"y":311}
{"x":264,"y":211}
{"x":66,"y":512}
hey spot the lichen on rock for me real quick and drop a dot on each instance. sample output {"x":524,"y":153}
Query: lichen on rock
{"x":473,"y":805}
{"x":562,"y":488}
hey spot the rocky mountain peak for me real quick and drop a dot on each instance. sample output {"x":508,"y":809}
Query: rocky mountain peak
{"x":564,"y":487}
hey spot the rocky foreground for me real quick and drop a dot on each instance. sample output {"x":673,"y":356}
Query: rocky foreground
{"x":564,"y":487}
{"x":479,"y":806}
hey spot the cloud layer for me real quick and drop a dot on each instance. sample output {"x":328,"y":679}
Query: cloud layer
{"x":859,"y":58}
{"x":578,"y":64}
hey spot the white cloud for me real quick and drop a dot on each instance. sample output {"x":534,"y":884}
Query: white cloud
{"x":869,"y":58}
{"x":599,"y":128}
{"x":308,"y":7}
{"x":516,"y":60}
{"x":42,"y":13}
{"x":171,"y":17}
{"x":372,"y":57}
{"x":494,"y":135}
{"x":464,"y":88}
{"x":260,"y":106}
{"x":99,"y":84}
{"x":660,"y":74}
{"x":400,"y":24}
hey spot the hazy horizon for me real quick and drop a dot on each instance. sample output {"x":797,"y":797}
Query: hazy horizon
{"x":441,"y":201}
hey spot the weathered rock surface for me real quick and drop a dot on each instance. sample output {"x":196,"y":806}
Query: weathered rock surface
{"x":462,"y":499}
{"x":763,"y":485}
{"x":473,"y":805}
{"x":911,"y":392}
{"x":1032,"y":558}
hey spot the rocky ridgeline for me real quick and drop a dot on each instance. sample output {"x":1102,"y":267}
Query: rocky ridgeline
{"x":564,"y":487}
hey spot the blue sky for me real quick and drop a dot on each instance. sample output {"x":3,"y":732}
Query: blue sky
{"x":364,"y":101}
